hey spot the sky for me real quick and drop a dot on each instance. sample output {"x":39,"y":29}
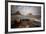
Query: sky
{"x":24,"y":10}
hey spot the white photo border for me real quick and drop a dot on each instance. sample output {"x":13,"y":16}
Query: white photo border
{"x":23,"y":29}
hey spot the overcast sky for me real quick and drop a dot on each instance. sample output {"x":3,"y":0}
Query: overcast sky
{"x":26,"y":9}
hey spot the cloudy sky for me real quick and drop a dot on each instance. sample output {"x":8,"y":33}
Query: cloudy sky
{"x":26,"y":9}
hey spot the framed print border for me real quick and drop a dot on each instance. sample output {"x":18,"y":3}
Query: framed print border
{"x":6,"y":16}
